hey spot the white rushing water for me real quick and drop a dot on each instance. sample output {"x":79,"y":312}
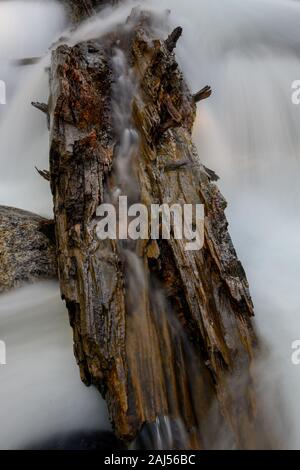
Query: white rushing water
{"x":40,"y":390}
{"x":23,"y":131}
{"x":248,"y":132}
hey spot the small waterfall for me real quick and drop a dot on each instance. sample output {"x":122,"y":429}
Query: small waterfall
{"x":248,"y":132}
{"x":123,"y":91}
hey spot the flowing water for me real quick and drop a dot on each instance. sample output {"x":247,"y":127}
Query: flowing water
{"x":249,"y":52}
{"x":40,"y":390}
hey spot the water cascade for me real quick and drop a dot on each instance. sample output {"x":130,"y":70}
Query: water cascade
{"x":248,"y":52}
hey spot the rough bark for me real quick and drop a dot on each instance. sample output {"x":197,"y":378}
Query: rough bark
{"x":27,"y":253}
{"x":127,"y":343}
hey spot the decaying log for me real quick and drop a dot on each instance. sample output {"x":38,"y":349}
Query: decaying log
{"x":130,"y":337}
{"x":26,"y":253}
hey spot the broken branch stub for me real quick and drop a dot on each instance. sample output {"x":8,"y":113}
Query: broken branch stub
{"x":203,"y":94}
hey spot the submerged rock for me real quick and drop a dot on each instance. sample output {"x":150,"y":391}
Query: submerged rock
{"x":26,"y":251}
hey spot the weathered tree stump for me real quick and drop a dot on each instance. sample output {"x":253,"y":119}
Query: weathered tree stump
{"x":186,"y":352}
